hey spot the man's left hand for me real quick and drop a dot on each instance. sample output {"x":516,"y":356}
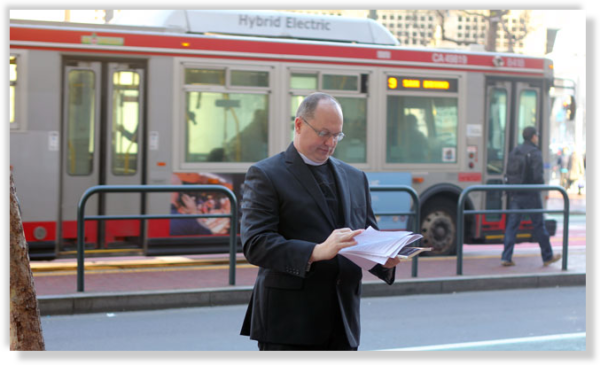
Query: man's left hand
{"x":391,"y":262}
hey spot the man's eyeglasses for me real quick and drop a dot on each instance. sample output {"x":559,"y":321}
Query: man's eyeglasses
{"x":326,"y":134}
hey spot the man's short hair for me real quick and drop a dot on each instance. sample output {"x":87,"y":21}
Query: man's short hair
{"x":528,"y":133}
{"x":308,"y":106}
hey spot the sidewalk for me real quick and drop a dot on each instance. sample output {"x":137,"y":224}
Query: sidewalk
{"x":144,"y":283}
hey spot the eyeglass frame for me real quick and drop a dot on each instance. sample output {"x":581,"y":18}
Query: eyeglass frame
{"x":325,"y":134}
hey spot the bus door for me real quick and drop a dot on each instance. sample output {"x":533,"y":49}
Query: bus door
{"x":102,"y":145}
{"x":511,"y":106}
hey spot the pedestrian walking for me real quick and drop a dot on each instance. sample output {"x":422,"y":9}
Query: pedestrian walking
{"x":533,"y":173}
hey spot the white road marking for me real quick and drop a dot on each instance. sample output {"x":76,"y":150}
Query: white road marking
{"x":492,"y":342}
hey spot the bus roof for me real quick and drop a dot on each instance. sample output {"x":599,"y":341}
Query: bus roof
{"x":262,"y":24}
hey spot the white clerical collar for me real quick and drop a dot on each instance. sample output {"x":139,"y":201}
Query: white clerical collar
{"x":311,"y":162}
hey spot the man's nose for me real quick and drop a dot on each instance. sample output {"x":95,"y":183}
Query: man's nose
{"x":331,"y":140}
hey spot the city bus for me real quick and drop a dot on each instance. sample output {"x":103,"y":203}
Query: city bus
{"x":196,"y":97}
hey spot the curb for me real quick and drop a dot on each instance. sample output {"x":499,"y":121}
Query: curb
{"x":83,"y":303}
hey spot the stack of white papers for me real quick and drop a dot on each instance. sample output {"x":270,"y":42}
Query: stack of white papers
{"x":376,"y":247}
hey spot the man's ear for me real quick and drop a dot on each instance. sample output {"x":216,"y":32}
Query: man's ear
{"x":297,"y":124}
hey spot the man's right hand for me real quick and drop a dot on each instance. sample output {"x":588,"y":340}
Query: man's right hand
{"x":337,"y":240}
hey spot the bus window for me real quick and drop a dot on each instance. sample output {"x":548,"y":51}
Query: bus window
{"x":340,"y":82}
{"x":303,"y":81}
{"x":204,"y":77}
{"x":126,"y":119}
{"x":81,"y":121}
{"x":13,"y":90}
{"x":421,"y":129}
{"x":353,"y":148}
{"x":226,"y":127}
{"x":250,"y":78}
{"x":497,"y":131}
{"x":528,"y":101}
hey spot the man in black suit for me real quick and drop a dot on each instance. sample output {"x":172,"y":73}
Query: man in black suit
{"x":299,"y":209}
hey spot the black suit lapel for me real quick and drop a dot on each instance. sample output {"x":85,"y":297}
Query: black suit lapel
{"x":343,"y":192}
{"x":300,"y":171}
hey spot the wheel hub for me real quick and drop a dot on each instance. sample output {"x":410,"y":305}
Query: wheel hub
{"x":438,"y":230}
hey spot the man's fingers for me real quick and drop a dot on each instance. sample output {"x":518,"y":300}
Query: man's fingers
{"x":345,"y":244}
{"x":350,"y":235}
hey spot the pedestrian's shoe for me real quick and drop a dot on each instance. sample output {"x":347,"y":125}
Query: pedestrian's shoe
{"x":553,"y":259}
{"x":507,"y":263}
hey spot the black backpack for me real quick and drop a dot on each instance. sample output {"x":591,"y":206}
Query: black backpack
{"x":517,"y":167}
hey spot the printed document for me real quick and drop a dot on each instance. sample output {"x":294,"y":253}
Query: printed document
{"x":376,"y":247}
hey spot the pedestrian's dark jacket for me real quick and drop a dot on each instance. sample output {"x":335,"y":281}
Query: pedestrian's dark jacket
{"x":535,"y":167}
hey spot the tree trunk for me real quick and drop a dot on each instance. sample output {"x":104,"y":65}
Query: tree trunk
{"x":25,"y":324}
{"x":494,"y":18}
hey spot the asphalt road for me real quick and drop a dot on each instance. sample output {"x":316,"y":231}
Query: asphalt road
{"x":525,"y":319}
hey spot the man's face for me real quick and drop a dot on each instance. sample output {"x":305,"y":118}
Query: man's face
{"x":534,"y":139}
{"x":327,"y":117}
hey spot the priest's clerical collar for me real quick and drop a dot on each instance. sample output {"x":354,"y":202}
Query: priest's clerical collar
{"x":311,"y":162}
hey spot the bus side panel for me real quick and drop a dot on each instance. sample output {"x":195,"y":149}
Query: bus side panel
{"x":160,"y":144}
{"x":35,"y":149}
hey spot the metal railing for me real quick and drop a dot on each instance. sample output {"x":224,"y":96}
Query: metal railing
{"x":233,"y":216}
{"x":537,"y":188}
{"x":415,"y":213}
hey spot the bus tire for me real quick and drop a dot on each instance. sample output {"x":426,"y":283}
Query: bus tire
{"x":438,"y":227}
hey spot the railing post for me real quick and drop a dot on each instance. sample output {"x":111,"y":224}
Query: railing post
{"x":232,"y":237}
{"x":459,"y":231}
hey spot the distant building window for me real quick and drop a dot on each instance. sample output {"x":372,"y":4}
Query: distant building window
{"x":391,"y":17}
{"x":459,"y":27}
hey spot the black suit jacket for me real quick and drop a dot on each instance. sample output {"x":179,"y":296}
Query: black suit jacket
{"x":284,"y":215}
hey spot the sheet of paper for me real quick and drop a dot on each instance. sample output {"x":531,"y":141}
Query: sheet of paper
{"x":375,"y":247}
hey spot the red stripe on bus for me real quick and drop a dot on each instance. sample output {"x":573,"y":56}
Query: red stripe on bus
{"x":69,"y":230}
{"x":29,"y":228}
{"x":166,"y":42}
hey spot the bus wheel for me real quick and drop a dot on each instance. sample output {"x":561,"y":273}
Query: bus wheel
{"x":438,"y":227}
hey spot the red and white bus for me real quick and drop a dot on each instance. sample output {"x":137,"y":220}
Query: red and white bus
{"x":196,"y":97}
